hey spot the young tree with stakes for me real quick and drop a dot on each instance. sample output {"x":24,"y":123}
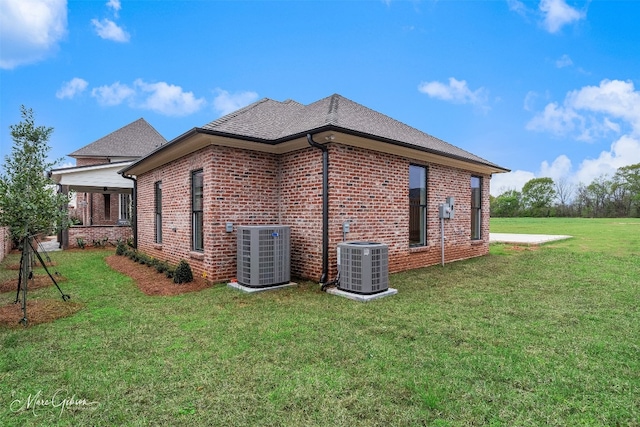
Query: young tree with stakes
{"x":29,"y":204}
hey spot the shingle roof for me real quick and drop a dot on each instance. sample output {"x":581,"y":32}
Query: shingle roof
{"x":274,"y":121}
{"x":133,"y":140}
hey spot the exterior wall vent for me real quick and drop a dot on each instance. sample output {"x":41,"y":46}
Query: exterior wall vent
{"x":364,"y":267}
{"x":264,"y":255}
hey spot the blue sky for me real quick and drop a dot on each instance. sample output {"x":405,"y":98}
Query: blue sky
{"x":544,"y":88}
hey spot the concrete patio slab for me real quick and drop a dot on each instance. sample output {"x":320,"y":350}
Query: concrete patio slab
{"x":526,"y":239}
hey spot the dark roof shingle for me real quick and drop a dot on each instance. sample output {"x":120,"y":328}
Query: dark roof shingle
{"x":276,"y":121}
{"x":133,"y":140}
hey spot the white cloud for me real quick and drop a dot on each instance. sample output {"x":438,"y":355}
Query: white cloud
{"x":625,"y":151}
{"x":564,"y":61}
{"x":557,"y":13}
{"x":513,"y":180}
{"x":30,"y":30}
{"x":109,"y":30}
{"x":592,"y":112}
{"x":115,"y":5}
{"x":168,"y":99}
{"x":114,"y":94}
{"x":559,"y":120}
{"x":530,"y":100}
{"x":558,"y":169}
{"x":72,"y":88}
{"x":456,"y":91}
{"x":616,"y":98}
{"x":225,"y":102}
{"x":161,"y":97}
{"x":517,"y":6}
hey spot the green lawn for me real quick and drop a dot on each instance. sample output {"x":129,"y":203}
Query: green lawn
{"x":516,"y":338}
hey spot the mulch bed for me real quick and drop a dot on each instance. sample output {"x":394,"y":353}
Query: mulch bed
{"x":151,"y":282}
{"x":38,"y":311}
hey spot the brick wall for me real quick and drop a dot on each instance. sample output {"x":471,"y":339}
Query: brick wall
{"x":301,"y":208}
{"x":370,"y":190}
{"x":240,"y":186}
{"x":88,"y":234}
{"x":367,"y":188}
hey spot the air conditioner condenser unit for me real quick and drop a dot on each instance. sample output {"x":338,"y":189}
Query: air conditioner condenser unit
{"x":363,"y":267}
{"x":263,"y":255}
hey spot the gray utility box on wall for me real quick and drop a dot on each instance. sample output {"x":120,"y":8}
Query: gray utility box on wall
{"x":363,"y":267}
{"x":264,"y":255}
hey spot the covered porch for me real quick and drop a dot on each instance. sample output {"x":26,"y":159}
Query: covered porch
{"x":101,"y":205}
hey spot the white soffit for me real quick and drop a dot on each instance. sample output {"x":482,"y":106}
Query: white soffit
{"x":97,"y":177}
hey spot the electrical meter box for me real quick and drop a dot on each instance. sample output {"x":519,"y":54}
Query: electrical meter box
{"x":446,"y":210}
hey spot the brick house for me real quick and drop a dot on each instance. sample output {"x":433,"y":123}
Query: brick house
{"x":103,"y":198}
{"x":270,"y":162}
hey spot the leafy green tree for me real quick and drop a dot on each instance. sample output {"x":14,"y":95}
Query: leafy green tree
{"x":29,"y":204}
{"x":538,"y":195}
{"x":506,"y":204}
{"x":629,"y":178}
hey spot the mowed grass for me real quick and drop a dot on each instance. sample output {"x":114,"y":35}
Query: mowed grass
{"x":519,"y":337}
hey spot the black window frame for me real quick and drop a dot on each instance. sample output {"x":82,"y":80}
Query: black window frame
{"x":158,"y":211}
{"x":418,"y":208}
{"x":476,"y":207}
{"x":197,"y":211}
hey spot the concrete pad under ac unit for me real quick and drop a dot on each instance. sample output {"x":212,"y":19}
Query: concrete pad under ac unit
{"x":251,"y":290}
{"x":361,"y":297}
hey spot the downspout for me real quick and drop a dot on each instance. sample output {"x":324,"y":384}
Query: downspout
{"x":134,"y":210}
{"x":325,"y":209}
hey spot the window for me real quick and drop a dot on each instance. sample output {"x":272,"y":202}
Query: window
{"x":158,"y":212}
{"x":196,"y":209}
{"x":476,"y":208}
{"x":107,"y":206}
{"x":417,"y":205}
{"x":125,"y":207}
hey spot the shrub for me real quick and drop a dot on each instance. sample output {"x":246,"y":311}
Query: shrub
{"x":80,"y":242}
{"x":100,"y":243}
{"x":183,"y":273}
{"x":162,"y":266}
{"x":121,"y":249}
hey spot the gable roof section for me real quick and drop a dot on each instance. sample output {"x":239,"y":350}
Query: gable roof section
{"x":272,"y":123}
{"x":133,"y":140}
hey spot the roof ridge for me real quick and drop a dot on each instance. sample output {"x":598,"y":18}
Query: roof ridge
{"x":236,"y":113}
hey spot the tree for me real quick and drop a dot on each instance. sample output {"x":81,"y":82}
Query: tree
{"x":564,"y":193}
{"x":506,"y":204}
{"x":629,"y":178}
{"x":29,"y":204}
{"x":538,"y":195}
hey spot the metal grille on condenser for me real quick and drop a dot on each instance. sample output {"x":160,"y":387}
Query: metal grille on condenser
{"x":245,"y":253}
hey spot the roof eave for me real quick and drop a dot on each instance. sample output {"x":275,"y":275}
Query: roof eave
{"x":162,"y":157}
